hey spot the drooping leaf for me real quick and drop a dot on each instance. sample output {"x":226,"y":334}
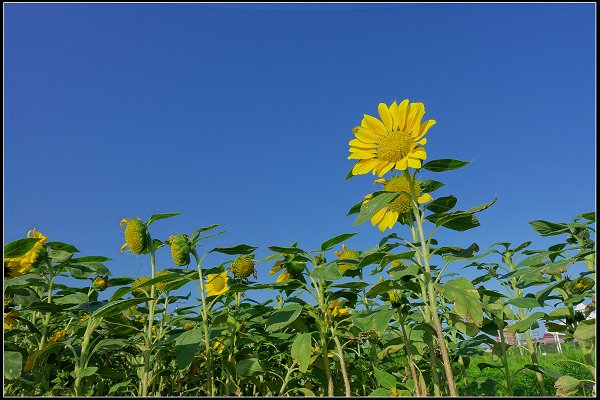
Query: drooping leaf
{"x":300,"y":351}
{"x":19,"y":247}
{"x":444,"y":165}
{"x":156,"y":217}
{"x":235,"y":250}
{"x":547,"y":228}
{"x":376,"y":203}
{"x":328,"y":244}
{"x":284,"y":316}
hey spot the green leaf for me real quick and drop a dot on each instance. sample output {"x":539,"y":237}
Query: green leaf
{"x":376,"y":203}
{"x":62,"y":247}
{"x":204,"y":229}
{"x":586,"y":330}
{"x":483,"y":366}
{"x":429,"y":185}
{"x":248,"y":367}
{"x":156,"y":217}
{"x":12,"y":364}
{"x":526,"y":324}
{"x":301,"y":351}
{"x":442,"y":204}
{"x":456,"y":220}
{"x":543,"y":370}
{"x":465,"y":298}
{"x":19,"y":247}
{"x":349,"y":174}
{"x":186,"y":347}
{"x":47,"y":307}
{"x":75,"y":298}
{"x":89,"y":371}
{"x":118,"y":386}
{"x":444,"y":165}
{"x":524,"y":302}
{"x":118,"y":306}
{"x":385,"y":379}
{"x":328,"y":272}
{"x":328,"y":244}
{"x":23,"y":280}
{"x":355,"y":208}
{"x":481,"y":207}
{"x":566,"y":385}
{"x":381,"y":320}
{"x":284,"y":316}
{"x":380,"y":392}
{"x":235,"y":250}
{"x":546,"y":228}
{"x":286,"y":250}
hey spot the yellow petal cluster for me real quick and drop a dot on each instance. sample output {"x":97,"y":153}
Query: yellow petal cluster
{"x":216,"y":283}
{"x":335,"y":309}
{"x":346,"y":254}
{"x":395,"y":141}
{"x":18,"y":266}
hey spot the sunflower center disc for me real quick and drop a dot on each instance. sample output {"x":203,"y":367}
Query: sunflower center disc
{"x":394,"y":146}
{"x":401,"y":204}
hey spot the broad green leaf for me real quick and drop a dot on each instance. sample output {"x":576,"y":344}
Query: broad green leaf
{"x":156,"y":217}
{"x":380,"y":392}
{"x":444,"y":165}
{"x":248,"y":367}
{"x":381,"y":320}
{"x":89,"y":371}
{"x":118,"y":306}
{"x":543,"y":370}
{"x":328,"y":244}
{"x":481,"y":207}
{"x":118,"y":386}
{"x":204,"y":229}
{"x":526,"y":324}
{"x":301,"y":351}
{"x":328,"y":272}
{"x":47,"y":307}
{"x":376,"y":203}
{"x":586,"y":330}
{"x":524,"y":302}
{"x":483,"y":366}
{"x":283,"y":317}
{"x":19,"y":247}
{"x":62,"y":247}
{"x":355,"y":208}
{"x":235,"y":250}
{"x":465,"y":297}
{"x":442,"y":204}
{"x":385,"y":379}
{"x":75,"y":298}
{"x":455,"y":220}
{"x":186,"y":347}
{"x":546,"y":228}
{"x":12,"y":364}
{"x":429,"y":185}
{"x":23,"y":280}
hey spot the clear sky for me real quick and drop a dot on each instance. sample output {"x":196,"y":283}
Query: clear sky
{"x":241,"y":115}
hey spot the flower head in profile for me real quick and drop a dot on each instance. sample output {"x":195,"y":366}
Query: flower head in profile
{"x":346,"y":254}
{"x":243,"y":266}
{"x":335,"y":309}
{"x":136,"y":235}
{"x":18,"y":266}
{"x":284,"y":276}
{"x":216,"y":283}
{"x":388,"y":215}
{"x":393,"y":142}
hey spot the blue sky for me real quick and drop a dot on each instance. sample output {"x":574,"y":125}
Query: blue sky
{"x":241,"y":114}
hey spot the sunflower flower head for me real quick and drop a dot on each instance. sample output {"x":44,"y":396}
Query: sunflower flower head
{"x":136,"y":235}
{"x":189,"y":326}
{"x":100,"y":283}
{"x":335,"y":309}
{"x":346,"y":254}
{"x":284,"y":276}
{"x":180,"y":249}
{"x":392,"y":142}
{"x":216,"y":283}
{"x":139,"y":281}
{"x":161,"y":285}
{"x":57,"y":336}
{"x":243,"y":266}
{"x":388,"y":215}
{"x":18,"y":266}
{"x":219,"y":346}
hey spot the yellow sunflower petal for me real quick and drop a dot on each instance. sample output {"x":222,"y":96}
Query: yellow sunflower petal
{"x":402,"y":113}
{"x":386,"y":116}
{"x":415,"y":113}
{"x":402,"y":164}
{"x":395,"y":115}
{"x":362,"y":145}
{"x":386,"y":168}
{"x":414,"y":163}
{"x":364,"y":134}
{"x":424,"y":128}
{"x":424,"y":198}
{"x":382,"y":225}
{"x":375,"y":125}
{"x":391,"y":218}
{"x":422,"y":142}
{"x":419,"y":152}
{"x":361,"y":155}
{"x":375,"y":219}
{"x":364,"y":166}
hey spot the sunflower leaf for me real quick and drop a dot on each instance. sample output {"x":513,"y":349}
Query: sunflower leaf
{"x":376,"y":203}
{"x":444,"y":165}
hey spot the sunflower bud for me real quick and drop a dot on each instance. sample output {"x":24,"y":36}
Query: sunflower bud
{"x":180,"y":249}
{"x":136,"y":235}
{"x":243,"y":266}
{"x":100,"y":283}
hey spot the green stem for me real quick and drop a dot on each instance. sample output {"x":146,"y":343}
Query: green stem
{"x":409,"y":355}
{"x":342,"y":364}
{"x":147,"y":376}
{"x":286,"y":380}
{"x":509,"y":384}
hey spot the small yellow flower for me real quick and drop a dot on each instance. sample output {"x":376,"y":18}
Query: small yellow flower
{"x":395,"y":141}
{"x":284,"y":276}
{"x":335,"y":309}
{"x":388,"y":215}
{"x":219,"y":346}
{"x":216,"y":283}
{"x":57,"y":336}
{"x":21,"y":265}
{"x":277,"y":267}
{"x":138,"y":282}
{"x":346,"y":255}
{"x":136,"y":235}
{"x":188,"y":326}
{"x":10,"y":319}
{"x":84,"y":317}
{"x":154,"y":332}
{"x":100,"y":283}
{"x":395,"y":393}
{"x":243,"y":266}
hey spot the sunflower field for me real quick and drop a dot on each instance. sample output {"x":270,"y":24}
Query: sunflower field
{"x":416,"y":327}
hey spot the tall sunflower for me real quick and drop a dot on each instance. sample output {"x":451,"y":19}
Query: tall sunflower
{"x":388,"y":215}
{"x":395,"y":141}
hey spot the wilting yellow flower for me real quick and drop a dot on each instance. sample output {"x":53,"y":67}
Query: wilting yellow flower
{"x":138,"y":282}
{"x":284,"y":276}
{"x":393,"y":142}
{"x":57,"y":336}
{"x":395,"y":393}
{"x":219,"y":346}
{"x":580,"y":284}
{"x":21,"y":265}
{"x":216,"y":283}
{"x":188,"y":325}
{"x":243,"y":267}
{"x":10,"y":319}
{"x":30,"y":360}
{"x":161,"y":285}
{"x":100,"y":283}
{"x":388,"y":215}
{"x":180,"y":249}
{"x":84,"y":317}
{"x":136,"y":235}
{"x":335,"y":309}
{"x":154,"y":332}
{"x":277,"y":267}
{"x":346,"y":255}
